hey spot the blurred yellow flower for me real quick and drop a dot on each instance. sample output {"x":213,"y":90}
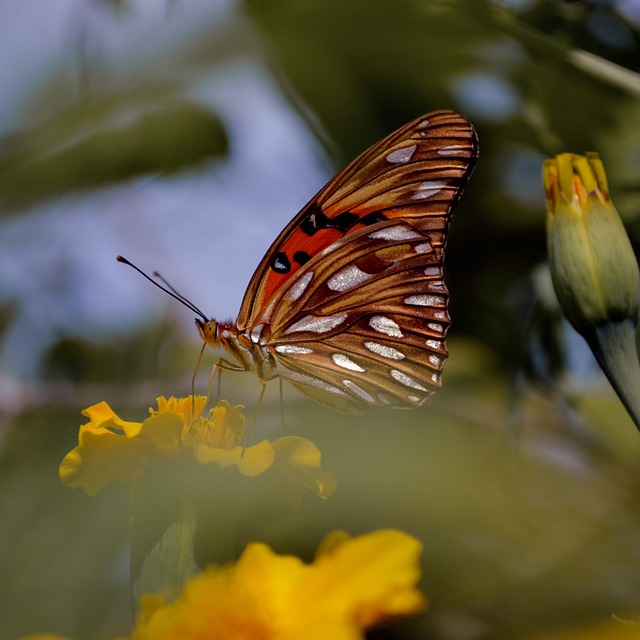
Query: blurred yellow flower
{"x":354,"y":584}
{"x":111,"y":449}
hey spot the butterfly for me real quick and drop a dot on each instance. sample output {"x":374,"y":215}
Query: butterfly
{"x":349,"y":303}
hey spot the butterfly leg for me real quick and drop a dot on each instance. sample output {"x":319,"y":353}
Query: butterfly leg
{"x":193,"y":380}
{"x":254,"y":415}
{"x":282,"y":420}
{"x":220,"y":366}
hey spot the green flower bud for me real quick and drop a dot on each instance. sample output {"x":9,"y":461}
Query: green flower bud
{"x":594,"y":269}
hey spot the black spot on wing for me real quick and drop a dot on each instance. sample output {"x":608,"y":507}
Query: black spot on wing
{"x":314,"y":221}
{"x":317,"y":220}
{"x":343,"y":221}
{"x":301,"y":257}
{"x":280,"y":263}
{"x":372,"y":218}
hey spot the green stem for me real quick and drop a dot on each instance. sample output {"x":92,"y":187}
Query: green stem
{"x":597,"y":67}
{"x":614,"y":345}
{"x":168,"y":562}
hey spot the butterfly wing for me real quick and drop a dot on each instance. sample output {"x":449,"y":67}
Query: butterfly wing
{"x":350,"y":299}
{"x":415,"y":173}
{"x":365,"y":323}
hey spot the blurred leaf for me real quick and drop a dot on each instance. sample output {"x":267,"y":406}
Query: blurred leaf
{"x":363,"y":65}
{"x":105,"y":140}
{"x":155,"y":351}
{"x":63,"y":553}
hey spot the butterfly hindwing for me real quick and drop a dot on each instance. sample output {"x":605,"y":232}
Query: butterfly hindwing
{"x":364,"y":324}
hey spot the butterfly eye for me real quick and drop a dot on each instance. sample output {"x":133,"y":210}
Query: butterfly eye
{"x":209,"y":331}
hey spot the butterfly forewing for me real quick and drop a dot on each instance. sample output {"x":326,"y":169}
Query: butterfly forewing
{"x":415,"y":173}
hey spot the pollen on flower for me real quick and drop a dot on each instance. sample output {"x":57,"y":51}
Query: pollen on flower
{"x":190,"y":408}
{"x":225,"y":427}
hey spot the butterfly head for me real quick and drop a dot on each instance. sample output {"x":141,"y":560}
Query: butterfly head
{"x":209,"y":331}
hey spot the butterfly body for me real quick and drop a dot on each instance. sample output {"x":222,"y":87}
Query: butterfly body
{"x":349,"y":304}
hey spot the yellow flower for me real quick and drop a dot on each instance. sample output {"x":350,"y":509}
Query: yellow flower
{"x":353,"y":585}
{"x":593,"y":266}
{"x":111,"y":449}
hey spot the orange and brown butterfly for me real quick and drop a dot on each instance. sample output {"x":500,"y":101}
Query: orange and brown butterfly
{"x":349,"y":303}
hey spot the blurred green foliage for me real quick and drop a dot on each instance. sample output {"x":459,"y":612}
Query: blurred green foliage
{"x":520,"y":477}
{"x":105,"y":139}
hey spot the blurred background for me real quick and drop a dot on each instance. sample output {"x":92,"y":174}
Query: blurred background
{"x":184,"y":134}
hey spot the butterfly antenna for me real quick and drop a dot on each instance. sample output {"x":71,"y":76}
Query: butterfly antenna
{"x":167,"y":288}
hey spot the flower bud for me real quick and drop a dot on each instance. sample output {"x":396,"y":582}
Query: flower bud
{"x":593,"y":266}
{"x":594,"y":269}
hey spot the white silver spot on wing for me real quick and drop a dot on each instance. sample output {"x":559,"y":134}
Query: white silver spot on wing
{"x":292,"y":348}
{"x":359,"y":391}
{"x":440,"y":315}
{"x":451,"y":150}
{"x":331,"y":247}
{"x":435,"y":378}
{"x":424,"y":301}
{"x":385,"y":325}
{"x":413,"y":399}
{"x":256,"y":333}
{"x":434,"y":344}
{"x":384,"y":350}
{"x":423,"y":247}
{"x":429,"y":188}
{"x":397,"y":232}
{"x":345,"y":362}
{"x":435,"y":361}
{"x":303,"y":378}
{"x":423,"y":124}
{"x":300,"y":287}
{"x":406,"y":380}
{"x":401,"y":155}
{"x":347,"y":278}
{"x":384,"y":398}
{"x":435,"y":326}
{"x":432,"y":271}
{"x":317,"y":325}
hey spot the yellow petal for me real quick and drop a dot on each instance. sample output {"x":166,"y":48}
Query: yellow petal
{"x":188,"y":408}
{"x":102,"y":416}
{"x":301,"y":460}
{"x":331,"y":542}
{"x":100,"y":458}
{"x":266,"y":596}
{"x":163,"y":430}
{"x":251,"y":461}
{"x":368,"y":579}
